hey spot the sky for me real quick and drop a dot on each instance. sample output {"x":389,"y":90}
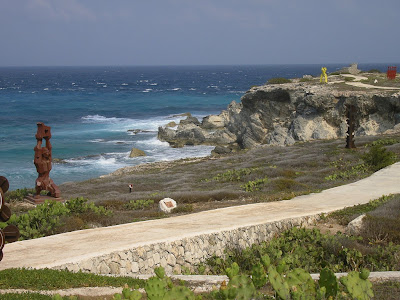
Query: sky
{"x":197,"y":32}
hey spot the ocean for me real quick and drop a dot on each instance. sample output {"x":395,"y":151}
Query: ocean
{"x":92,"y":110}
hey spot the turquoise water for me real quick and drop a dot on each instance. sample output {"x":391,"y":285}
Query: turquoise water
{"x":91,"y":109}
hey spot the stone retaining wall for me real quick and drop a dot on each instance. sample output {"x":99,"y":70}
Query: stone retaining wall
{"x":182,"y":255}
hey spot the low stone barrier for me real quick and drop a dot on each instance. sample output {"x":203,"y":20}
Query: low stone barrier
{"x":183,"y":254}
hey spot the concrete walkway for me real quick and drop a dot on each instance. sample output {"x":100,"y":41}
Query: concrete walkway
{"x":76,"y":246}
{"x":357,"y":83}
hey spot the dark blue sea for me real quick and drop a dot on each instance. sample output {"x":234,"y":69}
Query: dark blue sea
{"x":92,"y":109}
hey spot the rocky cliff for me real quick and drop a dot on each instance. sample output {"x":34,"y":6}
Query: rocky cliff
{"x":282,"y":114}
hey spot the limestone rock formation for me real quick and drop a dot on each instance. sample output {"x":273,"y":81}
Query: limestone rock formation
{"x":285,"y":113}
{"x":355,"y":226}
{"x":137,"y":152}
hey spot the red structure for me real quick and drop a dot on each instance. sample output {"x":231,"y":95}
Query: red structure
{"x":391,"y":72}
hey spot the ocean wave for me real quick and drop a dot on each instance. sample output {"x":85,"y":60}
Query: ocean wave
{"x":102,"y":119}
{"x":175,"y":89}
{"x":124,"y":124}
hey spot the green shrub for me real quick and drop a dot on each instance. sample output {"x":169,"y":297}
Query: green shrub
{"x":254,"y":185}
{"x":311,"y":250}
{"x":278,"y":80}
{"x":353,"y":172}
{"x":378,"y":158}
{"x":374,"y":71}
{"x":139,"y":204}
{"x":19,"y":194}
{"x":349,"y":79}
{"x":45,"y":218}
{"x":383,"y":142}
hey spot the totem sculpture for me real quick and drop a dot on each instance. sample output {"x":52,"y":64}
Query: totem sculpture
{"x":42,"y":163}
{"x":350,"y":118}
{"x":324,"y":77}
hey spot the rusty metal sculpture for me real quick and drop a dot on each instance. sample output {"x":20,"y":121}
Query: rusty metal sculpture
{"x":350,"y":118}
{"x":11,"y":232}
{"x":42,"y":163}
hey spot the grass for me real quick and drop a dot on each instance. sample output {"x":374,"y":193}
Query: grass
{"x":346,"y":215}
{"x":47,"y":279}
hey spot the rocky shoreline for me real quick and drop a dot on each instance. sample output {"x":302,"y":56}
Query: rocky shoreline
{"x":282,"y":114}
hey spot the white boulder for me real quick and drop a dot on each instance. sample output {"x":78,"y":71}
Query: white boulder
{"x":167,"y":205}
{"x":355,"y":226}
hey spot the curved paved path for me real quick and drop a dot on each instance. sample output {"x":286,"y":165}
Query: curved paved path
{"x":75,"y":246}
{"x":357,"y":83}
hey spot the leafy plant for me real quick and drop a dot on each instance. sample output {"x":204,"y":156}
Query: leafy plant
{"x":383,"y":142}
{"x":378,"y":158}
{"x":139,"y":204}
{"x":354,"y":171}
{"x":311,"y":250}
{"x":254,"y":185}
{"x":45,"y":218}
{"x":19,"y":194}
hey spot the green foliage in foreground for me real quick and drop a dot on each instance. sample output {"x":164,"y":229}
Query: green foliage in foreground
{"x":291,"y":284}
{"x":311,"y":250}
{"x":278,"y":80}
{"x":45,"y":218}
{"x":47,"y":279}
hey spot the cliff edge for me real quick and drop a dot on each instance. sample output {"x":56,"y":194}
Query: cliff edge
{"x":281,"y":114}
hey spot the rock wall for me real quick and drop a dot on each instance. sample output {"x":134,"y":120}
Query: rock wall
{"x":183,"y":254}
{"x":286,"y":113}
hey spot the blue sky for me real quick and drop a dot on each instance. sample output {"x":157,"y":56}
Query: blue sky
{"x":197,"y":32}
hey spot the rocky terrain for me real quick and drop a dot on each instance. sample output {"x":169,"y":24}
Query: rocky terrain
{"x":282,"y":114}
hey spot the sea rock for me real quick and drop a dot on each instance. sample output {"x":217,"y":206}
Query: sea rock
{"x":355,"y":226}
{"x":137,"y":152}
{"x":136,"y":131}
{"x":166,"y":205}
{"x":282,"y":114}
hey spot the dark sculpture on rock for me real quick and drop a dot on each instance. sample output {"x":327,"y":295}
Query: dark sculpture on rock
{"x":42,"y":163}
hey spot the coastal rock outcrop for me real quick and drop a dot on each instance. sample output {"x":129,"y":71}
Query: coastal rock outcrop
{"x":137,"y":152}
{"x":285,"y":113}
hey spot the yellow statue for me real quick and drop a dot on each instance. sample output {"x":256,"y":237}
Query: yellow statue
{"x":324,"y":77}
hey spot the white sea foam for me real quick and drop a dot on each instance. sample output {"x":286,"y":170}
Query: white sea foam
{"x":124,"y":84}
{"x":154,"y":83}
{"x":175,"y":89}
{"x":124,"y":124}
